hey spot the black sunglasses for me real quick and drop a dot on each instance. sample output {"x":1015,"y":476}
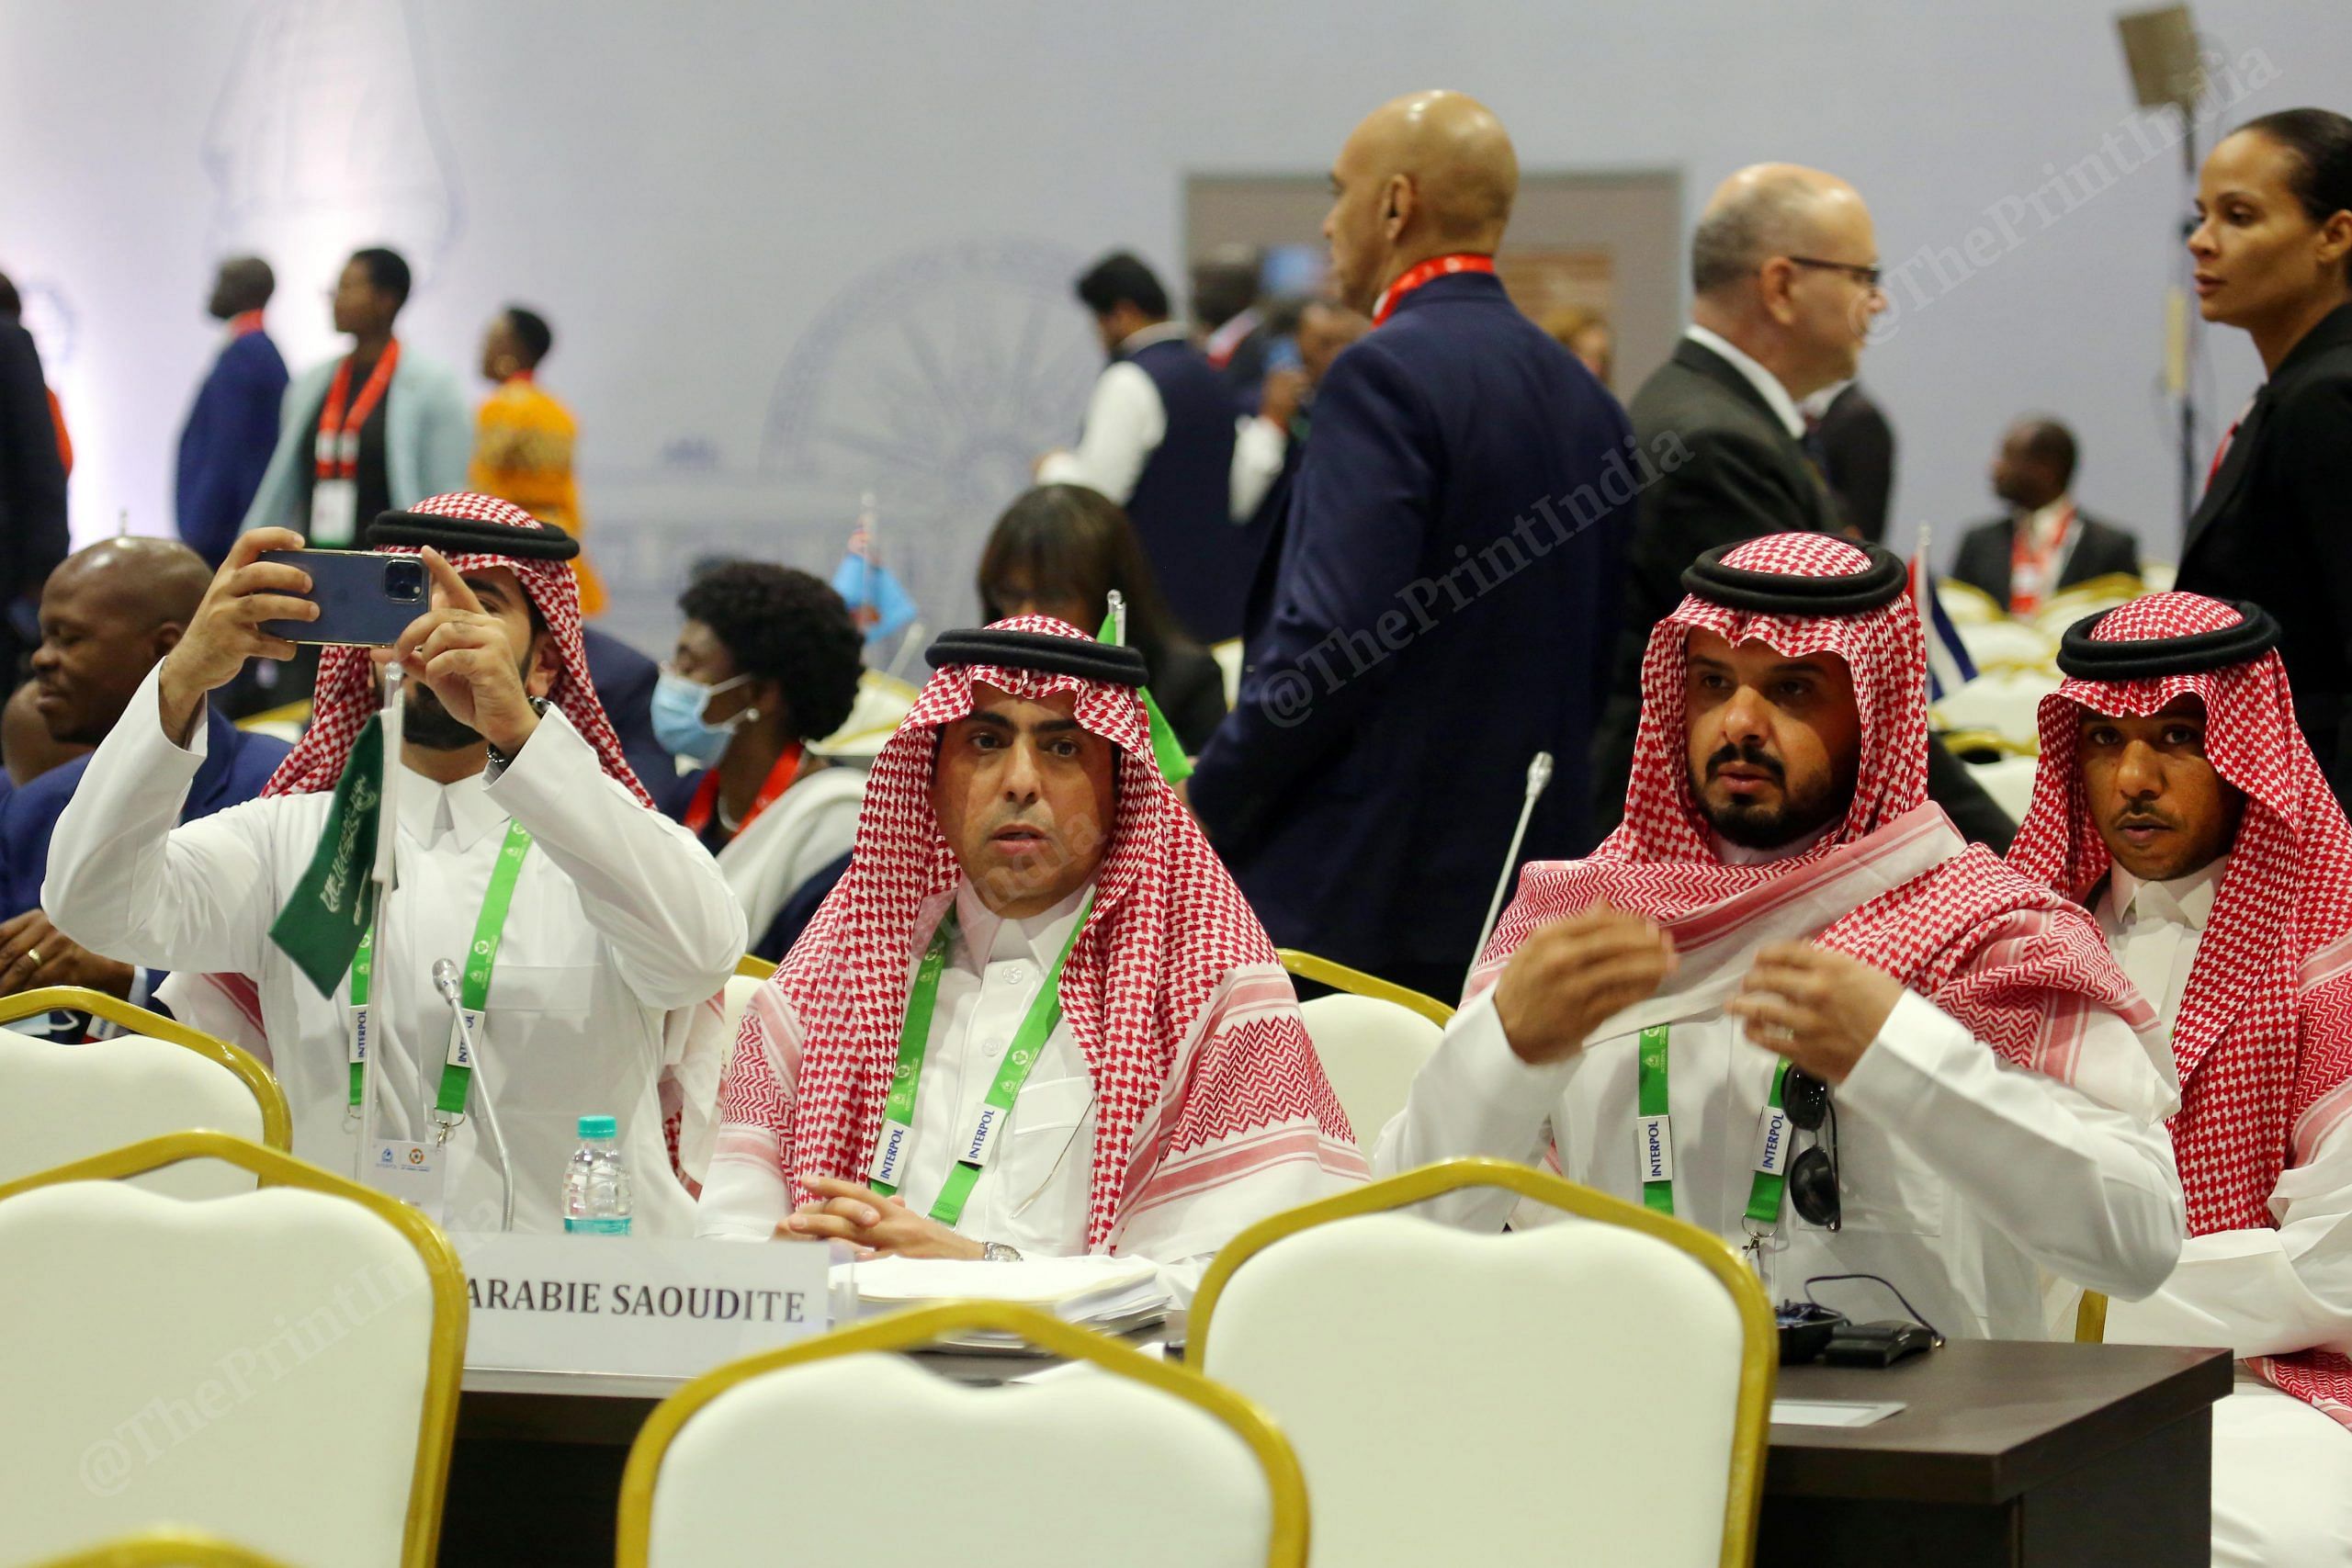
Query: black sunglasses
{"x":1813,"y":1175}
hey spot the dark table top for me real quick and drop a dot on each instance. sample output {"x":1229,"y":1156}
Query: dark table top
{"x":1985,"y":1420}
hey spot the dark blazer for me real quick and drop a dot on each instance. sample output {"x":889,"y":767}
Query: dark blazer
{"x":1183,"y":502}
{"x":2276,"y":527}
{"x":1438,"y":616}
{"x":1728,"y":470}
{"x":32,"y":482}
{"x":624,"y":681}
{"x":225,"y":447}
{"x":1189,"y":686}
{"x":2100,"y":549}
{"x":1857,"y":448}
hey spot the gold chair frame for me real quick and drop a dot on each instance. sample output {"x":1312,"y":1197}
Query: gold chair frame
{"x":1356,"y":983}
{"x":1759,"y":1358}
{"x":752,"y":968}
{"x":166,"y":1549}
{"x":921,"y":1326}
{"x":438,"y":1417}
{"x":276,"y":1119}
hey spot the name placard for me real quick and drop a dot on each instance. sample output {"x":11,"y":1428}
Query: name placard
{"x":663,"y":1306}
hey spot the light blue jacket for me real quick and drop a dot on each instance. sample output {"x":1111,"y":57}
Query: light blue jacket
{"x":428,"y":439}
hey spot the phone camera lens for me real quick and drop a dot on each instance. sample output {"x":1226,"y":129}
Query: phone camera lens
{"x":405,"y":581}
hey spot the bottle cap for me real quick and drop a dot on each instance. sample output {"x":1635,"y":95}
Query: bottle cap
{"x":599,"y":1127}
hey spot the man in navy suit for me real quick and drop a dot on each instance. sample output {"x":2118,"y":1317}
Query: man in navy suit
{"x":107,"y":616}
{"x":1444,"y":596}
{"x":231,"y":431}
{"x":624,"y":680}
{"x":1162,"y":439}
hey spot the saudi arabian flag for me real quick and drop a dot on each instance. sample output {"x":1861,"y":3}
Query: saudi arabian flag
{"x":320,"y":926}
{"x":1166,"y":749}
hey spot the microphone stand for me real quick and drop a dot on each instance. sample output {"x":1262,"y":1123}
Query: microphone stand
{"x":445,"y":981}
{"x":386,"y":875}
{"x":1539,"y":778}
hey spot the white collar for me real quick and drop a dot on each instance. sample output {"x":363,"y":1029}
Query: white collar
{"x":426,"y":806}
{"x":2183,"y":901}
{"x":1740,"y":854}
{"x":990,"y":938}
{"x":2041,"y":523}
{"x":1165,"y":332}
{"x":1767,"y":385}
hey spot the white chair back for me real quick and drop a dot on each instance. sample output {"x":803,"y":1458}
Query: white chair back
{"x":1371,"y":1049}
{"x":2009,"y":781}
{"x":278,"y":1367}
{"x":2009,"y":645}
{"x":1147,"y":1466}
{"x":68,"y":1102}
{"x":1578,"y":1392}
{"x":2003,"y":701}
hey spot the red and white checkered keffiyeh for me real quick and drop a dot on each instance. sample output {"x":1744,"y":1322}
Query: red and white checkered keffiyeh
{"x":346,"y":694}
{"x":2021,"y":968}
{"x":1172,"y":991}
{"x":2264,"y":1038}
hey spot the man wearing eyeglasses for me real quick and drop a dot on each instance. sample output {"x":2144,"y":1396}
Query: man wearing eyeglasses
{"x":1787,"y":1002}
{"x":1784,"y":278}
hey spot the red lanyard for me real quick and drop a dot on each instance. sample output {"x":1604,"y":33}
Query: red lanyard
{"x":1436,"y":267}
{"x":2029,"y":558}
{"x":338,"y":445}
{"x":244,"y":322}
{"x":2223,"y":451}
{"x":706,"y":800}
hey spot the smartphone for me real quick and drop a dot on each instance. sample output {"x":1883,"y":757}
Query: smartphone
{"x":366,"y":598}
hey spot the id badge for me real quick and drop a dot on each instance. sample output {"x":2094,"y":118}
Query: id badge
{"x":413,"y":1173}
{"x":334,"y":513}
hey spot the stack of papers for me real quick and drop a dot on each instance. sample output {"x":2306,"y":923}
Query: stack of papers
{"x":1111,"y":1296}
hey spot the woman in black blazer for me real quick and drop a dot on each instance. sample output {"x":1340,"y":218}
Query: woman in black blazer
{"x":1059,"y":550}
{"x":2273,"y":247}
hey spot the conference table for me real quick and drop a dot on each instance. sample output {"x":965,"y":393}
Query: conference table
{"x":2010,"y":1454}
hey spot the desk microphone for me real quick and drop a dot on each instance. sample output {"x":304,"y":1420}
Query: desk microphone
{"x":445,"y":981}
{"x":1539,"y":779}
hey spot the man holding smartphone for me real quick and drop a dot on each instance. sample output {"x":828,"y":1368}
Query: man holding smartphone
{"x":593,"y":935}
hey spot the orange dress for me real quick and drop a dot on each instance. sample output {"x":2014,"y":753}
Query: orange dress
{"x":523,"y":454}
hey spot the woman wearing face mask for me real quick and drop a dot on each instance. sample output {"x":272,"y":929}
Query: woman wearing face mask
{"x":767,"y":661}
{"x":1058,"y":551}
{"x":2273,"y":247}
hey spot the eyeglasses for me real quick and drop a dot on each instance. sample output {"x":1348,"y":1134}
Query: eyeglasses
{"x":1813,"y":1175}
{"x":1867,"y":276}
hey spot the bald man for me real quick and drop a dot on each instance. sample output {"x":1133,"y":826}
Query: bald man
{"x":1439,"y":600}
{"x":1784,"y":282}
{"x":108,"y":615}
{"x":233,"y":427}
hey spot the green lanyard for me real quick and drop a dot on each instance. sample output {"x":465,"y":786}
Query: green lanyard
{"x":891,"y":1149}
{"x":490,"y":928}
{"x":1655,"y":1138}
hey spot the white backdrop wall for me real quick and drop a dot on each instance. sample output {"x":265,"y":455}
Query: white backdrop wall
{"x":796,"y":252}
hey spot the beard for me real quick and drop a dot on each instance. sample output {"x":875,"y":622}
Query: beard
{"x":1755,"y":825}
{"x":425,"y":722}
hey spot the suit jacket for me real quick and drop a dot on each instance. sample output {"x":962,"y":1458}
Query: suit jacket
{"x":1735,"y":473}
{"x":32,"y":474}
{"x":2100,"y":549}
{"x":2276,"y":527}
{"x":624,"y":680}
{"x":428,"y":440}
{"x":1857,"y":448}
{"x":226,"y":445}
{"x":1442,"y":610}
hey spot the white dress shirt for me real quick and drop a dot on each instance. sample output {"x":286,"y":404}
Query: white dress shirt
{"x":1767,"y":385}
{"x":2037,"y":575}
{"x":1125,"y":423}
{"x":805,"y":830}
{"x":2259,"y":1292}
{"x":620,"y":933}
{"x":1965,"y":1181}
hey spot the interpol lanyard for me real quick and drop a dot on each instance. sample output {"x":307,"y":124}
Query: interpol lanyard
{"x":914,"y":1039}
{"x":490,"y":927}
{"x":1655,"y":1140}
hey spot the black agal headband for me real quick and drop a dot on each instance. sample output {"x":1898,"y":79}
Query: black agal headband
{"x":1786,"y":594}
{"x":468,"y":537}
{"x":1105,"y":661}
{"x":2087,"y":658}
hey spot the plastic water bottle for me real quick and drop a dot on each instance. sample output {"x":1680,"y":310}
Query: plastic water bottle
{"x":595,"y":1189}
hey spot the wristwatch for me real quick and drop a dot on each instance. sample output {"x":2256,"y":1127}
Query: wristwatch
{"x":997,"y":1252}
{"x":501,"y":760}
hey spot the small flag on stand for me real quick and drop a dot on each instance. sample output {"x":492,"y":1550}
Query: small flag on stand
{"x":1166,"y":749}
{"x":877,"y":600}
{"x":1949,"y":666}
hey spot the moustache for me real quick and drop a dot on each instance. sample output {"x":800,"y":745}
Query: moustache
{"x":2142,"y":816}
{"x":1751,"y":755}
